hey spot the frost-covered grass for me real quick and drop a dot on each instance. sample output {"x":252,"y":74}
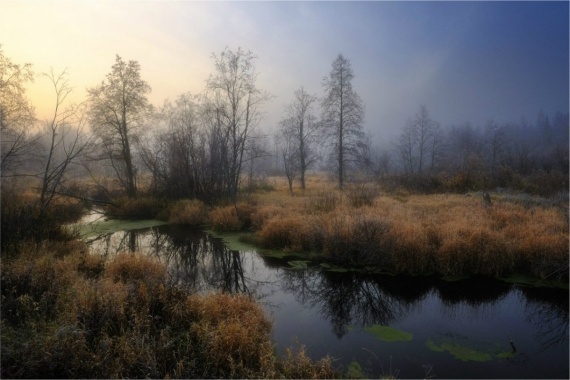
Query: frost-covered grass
{"x":450,"y":234}
{"x":69,"y":314}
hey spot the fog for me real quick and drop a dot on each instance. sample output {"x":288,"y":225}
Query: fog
{"x":465,"y":61}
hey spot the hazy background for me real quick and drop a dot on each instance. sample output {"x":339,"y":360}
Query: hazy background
{"x":466,"y":61}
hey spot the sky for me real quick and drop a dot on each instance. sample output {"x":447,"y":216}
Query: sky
{"x":465,"y":61}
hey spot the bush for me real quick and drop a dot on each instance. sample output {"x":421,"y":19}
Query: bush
{"x":356,"y":239}
{"x":362,"y":194}
{"x":22,"y":219}
{"x":321,"y":202}
{"x":188,"y":212}
{"x":232,"y":218}
{"x":295,"y":233}
{"x":139,"y":208}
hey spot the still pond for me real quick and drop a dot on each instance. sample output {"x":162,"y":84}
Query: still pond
{"x":373,"y":325}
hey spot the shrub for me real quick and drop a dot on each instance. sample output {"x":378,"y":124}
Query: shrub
{"x":22,"y":219}
{"x":224,"y":219}
{"x":188,"y":212}
{"x":139,"y":208}
{"x":322,"y":202}
{"x":296,"y":233}
{"x":232,"y":218}
{"x":362,"y":194}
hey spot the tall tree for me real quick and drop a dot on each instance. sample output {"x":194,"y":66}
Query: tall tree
{"x":343,"y":115}
{"x":118,"y":108}
{"x":301,"y":128}
{"x":17,"y":116}
{"x":234,"y":108}
{"x":420,"y":142}
{"x":65,"y":141}
{"x":423,"y":127}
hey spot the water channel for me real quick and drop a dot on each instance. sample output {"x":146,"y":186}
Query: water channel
{"x":408,"y":327}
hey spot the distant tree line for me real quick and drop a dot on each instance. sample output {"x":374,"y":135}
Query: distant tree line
{"x":208,"y":146}
{"x":520,"y":155}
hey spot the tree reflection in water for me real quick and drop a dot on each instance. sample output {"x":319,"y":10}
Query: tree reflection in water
{"x":202,"y":263}
{"x":548,"y":312}
{"x":195,"y":260}
{"x":346,"y":299}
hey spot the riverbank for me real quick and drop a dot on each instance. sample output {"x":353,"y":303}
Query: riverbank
{"x":69,"y":314}
{"x":446,"y":234}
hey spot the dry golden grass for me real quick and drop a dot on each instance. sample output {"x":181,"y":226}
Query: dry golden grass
{"x":188,"y":212}
{"x":443,"y":233}
{"x":75,"y":316}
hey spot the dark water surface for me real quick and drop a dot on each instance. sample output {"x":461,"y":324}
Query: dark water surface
{"x":474,"y":328}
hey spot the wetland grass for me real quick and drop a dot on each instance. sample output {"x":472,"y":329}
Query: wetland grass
{"x":449,"y":234}
{"x":74,"y":316}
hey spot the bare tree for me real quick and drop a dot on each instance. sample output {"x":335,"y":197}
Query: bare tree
{"x":17,"y":116}
{"x":255,"y":152}
{"x":405,"y":147}
{"x":437,"y":145}
{"x":288,"y":150}
{"x":234,"y":110}
{"x":343,"y":115}
{"x":495,"y":137}
{"x":420,"y":142}
{"x":66,"y":140}
{"x":118,"y":108}
{"x":301,"y":126}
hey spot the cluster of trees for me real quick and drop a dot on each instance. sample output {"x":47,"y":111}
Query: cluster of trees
{"x":203,"y":146}
{"x":463,"y":157}
{"x":302,"y":134}
{"x":197,"y":146}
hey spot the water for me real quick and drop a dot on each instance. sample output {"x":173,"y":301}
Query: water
{"x":475,"y":328}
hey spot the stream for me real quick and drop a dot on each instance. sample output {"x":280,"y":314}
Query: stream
{"x":382,"y":325}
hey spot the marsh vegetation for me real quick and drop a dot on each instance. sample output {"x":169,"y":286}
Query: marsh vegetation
{"x":457,"y":203}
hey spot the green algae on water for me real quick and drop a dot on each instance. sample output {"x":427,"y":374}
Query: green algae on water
{"x":298,"y":264}
{"x":466,"y":353}
{"x":389,"y":334}
{"x":458,"y":351}
{"x":113,"y":225}
{"x":333,"y":268}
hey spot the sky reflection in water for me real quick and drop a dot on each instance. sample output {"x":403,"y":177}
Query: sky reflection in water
{"x":460,"y":329}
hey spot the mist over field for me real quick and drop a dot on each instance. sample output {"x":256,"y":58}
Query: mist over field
{"x":179,"y":179}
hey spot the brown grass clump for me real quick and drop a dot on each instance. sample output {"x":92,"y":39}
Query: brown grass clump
{"x":297,"y":365}
{"x":232,"y":218}
{"x":139,"y":208}
{"x":188,"y":212}
{"x":361,"y":194}
{"x":295,"y":233}
{"x":65,"y":317}
{"x":439,"y":233}
{"x":132,"y":267}
{"x":322,"y":201}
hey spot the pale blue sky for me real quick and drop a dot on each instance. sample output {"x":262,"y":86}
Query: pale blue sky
{"x":466,"y":61}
